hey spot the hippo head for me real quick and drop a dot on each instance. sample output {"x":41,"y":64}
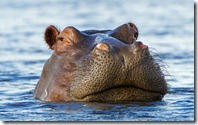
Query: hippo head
{"x":99,"y":65}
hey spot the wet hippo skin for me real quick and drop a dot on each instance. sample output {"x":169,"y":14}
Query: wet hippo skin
{"x":99,"y":65}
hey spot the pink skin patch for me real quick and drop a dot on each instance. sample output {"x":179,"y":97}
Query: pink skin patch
{"x":142,"y":46}
{"x":103,"y":46}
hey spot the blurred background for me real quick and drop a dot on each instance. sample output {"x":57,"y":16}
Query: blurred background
{"x":167,"y":26}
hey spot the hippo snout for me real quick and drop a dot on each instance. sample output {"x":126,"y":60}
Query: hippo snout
{"x":99,"y":65}
{"x":117,"y":73}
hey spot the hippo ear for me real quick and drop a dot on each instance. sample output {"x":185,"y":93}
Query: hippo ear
{"x":127,"y":33}
{"x":50,"y":36}
{"x":134,"y":27}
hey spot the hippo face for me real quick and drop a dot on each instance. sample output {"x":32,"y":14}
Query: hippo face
{"x":104,"y":65}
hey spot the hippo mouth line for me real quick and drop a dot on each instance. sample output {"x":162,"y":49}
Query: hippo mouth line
{"x":120,"y":91}
{"x":118,"y":87}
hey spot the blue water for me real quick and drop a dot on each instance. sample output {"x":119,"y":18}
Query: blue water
{"x":166,"y":25}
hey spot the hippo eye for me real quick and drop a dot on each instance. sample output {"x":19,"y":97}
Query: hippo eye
{"x":60,"y":38}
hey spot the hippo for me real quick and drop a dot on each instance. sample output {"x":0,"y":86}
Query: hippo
{"x":99,"y":65}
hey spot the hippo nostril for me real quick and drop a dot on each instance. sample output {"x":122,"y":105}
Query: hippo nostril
{"x":103,"y":46}
{"x":142,"y":46}
{"x":138,"y":43}
{"x":139,"y":46}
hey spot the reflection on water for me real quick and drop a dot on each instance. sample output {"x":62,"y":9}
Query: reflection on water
{"x":165,"y":26}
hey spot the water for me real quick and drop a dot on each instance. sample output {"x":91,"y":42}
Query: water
{"x":167,"y":26}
